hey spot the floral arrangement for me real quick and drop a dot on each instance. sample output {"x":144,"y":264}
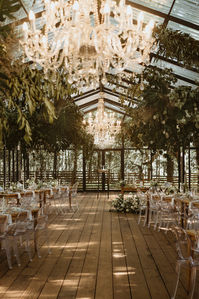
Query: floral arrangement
{"x":170,"y":190}
{"x":16,"y":186}
{"x":31,"y":183}
{"x":154,"y":183}
{"x":128,"y":204}
{"x":54,"y":183}
{"x":40,"y":184}
{"x":122,"y":183}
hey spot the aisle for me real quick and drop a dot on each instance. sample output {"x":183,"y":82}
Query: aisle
{"x":96,"y":254}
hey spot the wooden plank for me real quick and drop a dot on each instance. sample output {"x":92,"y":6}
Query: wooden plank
{"x":138,"y":285}
{"x":97,"y":254}
{"x":104,"y":286}
{"x":71,"y":280}
{"x":121,"y":274}
{"x":29,"y":270}
{"x":87,"y":284}
{"x":154,"y":281}
{"x":55,"y":279}
{"x":47,"y":267}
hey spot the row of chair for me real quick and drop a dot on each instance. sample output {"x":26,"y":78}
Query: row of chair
{"x":170,"y":214}
{"x":25,"y":226}
{"x":20,"y":232}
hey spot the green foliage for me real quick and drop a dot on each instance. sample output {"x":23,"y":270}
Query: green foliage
{"x":177,"y":45}
{"x":8,"y":8}
{"x":166,"y":118}
{"x":66,"y":129}
{"x":128,"y":204}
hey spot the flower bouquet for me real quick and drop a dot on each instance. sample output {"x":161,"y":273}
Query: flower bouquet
{"x":54,"y":183}
{"x":122,"y":183}
{"x":30,"y":183}
{"x":14,"y":187}
{"x":170,"y":190}
{"x":128,"y":204}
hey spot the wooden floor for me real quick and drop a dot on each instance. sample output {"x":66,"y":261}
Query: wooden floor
{"x":96,"y":254}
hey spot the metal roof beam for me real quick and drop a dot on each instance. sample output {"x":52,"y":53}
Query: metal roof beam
{"x":86,"y":94}
{"x":162,"y":15}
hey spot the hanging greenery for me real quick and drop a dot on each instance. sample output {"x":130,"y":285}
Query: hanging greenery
{"x":22,"y":88}
{"x":165,"y":118}
{"x":178,"y":46}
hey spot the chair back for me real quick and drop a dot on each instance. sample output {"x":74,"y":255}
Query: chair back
{"x":181,"y":242}
{"x":3,"y":223}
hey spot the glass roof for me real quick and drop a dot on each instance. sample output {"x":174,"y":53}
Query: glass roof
{"x":187,"y":10}
{"x":147,"y":16}
{"x":175,"y":26}
{"x":159,"y":5}
{"x":177,"y":70}
{"x":180,"y":15}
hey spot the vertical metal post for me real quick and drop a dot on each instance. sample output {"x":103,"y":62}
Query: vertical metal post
{"x":27,"y":166}
{"x":189,"y":157}
{"x":183,"y":165}
{"x":17,"y":164}
{"x":179,"y":168}
{"x":122,"y":159}
{"x":103,"y":174}
{"x":84,"y":171}
{"x":4,"y":168}
{"x":24,"y":169}
{"x":151,"y":166}
{"x":13,"y":165}
{"x":9,"y":166}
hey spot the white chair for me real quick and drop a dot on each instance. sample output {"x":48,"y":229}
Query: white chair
{"x":184,"y":259}
{"x":42,"y":226}
{"x":143,"y":198}
{"x":23,"y":230}
{"x":167,"y":215}
{"x":73,"y":195}
{"x":154,"y":209}
{"x":5,"y":240}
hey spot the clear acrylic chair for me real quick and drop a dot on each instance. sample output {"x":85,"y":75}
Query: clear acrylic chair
{"x":56,"y":199}
{"x":185,"y":258}
{"x":154,"y":209}
{"x":192,"y":221}
{"x":194,"y":263}
{"x":168,"y":215}
{"x":73,"y":195}
{"x":64,"y":198}
{"x":4,"y":239}
{"x":42,"y":226}
{"x":22,"y":231}
{"x":181,"y":240}
{"x":142,"y":207}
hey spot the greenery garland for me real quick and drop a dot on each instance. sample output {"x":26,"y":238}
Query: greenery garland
{"x":174,"y":44}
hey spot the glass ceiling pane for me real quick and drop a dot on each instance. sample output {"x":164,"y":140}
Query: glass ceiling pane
{"x":147,"y":16}
{"x":27,"y":3}
{"x":177,"y":69}
{"x":175,"y":26}
{"x":160,"y":5}
{"x":187,"y":10}
{"x":38,"y":6}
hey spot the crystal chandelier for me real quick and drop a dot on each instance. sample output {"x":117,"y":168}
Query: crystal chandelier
{"x":87,"y":40}
{"x":104,"y":127}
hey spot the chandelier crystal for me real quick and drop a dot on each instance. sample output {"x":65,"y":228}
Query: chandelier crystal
{"x":87,"y":40}
{"x":104,"y":126}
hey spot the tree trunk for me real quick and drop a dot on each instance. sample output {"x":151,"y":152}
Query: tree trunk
{"x":55,"y":165}
{"x":74,"y":173}
{"x":170,"y":168}
{"x":197,"y":159}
